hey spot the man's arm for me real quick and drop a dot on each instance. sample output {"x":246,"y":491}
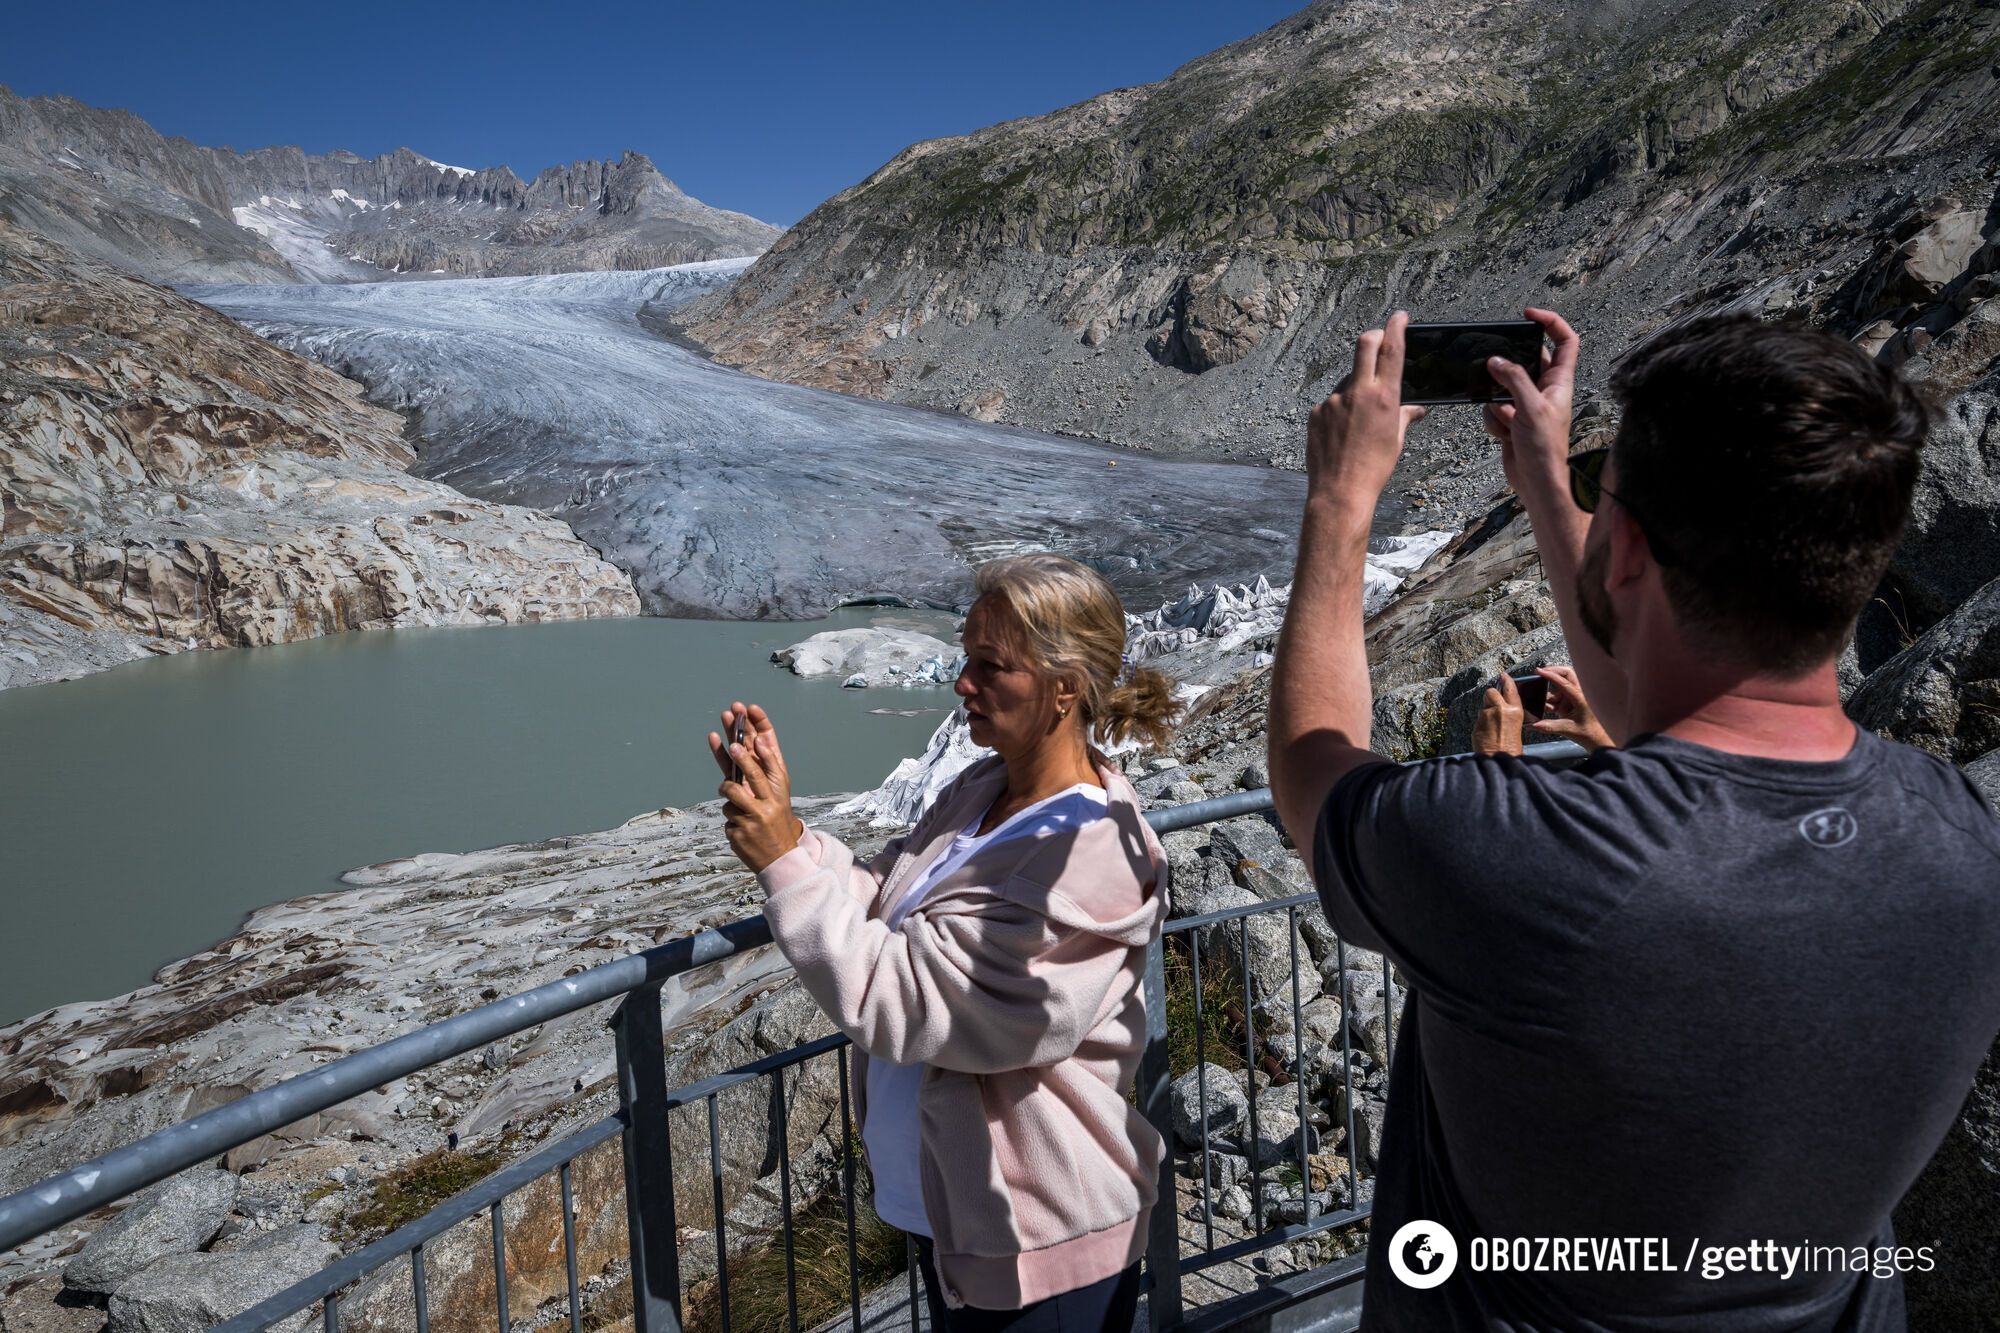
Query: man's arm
{"x":1533,"y":431}
{"x":1317,"y":731}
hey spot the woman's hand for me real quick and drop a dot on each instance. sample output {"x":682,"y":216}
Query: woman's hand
{"x":758,"y":817}
{"x":1498,"y":727}
{"x":1568,"y":716}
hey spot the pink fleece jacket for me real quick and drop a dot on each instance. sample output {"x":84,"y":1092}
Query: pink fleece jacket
{"x":1017,"y":980}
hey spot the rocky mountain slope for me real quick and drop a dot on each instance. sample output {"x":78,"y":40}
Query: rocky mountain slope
{"x":104,"y":183}
{"x":168,"y":480}
{"x":1184,"y":265}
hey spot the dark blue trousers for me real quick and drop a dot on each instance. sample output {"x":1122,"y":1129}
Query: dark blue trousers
{"x":1107,"y":1305}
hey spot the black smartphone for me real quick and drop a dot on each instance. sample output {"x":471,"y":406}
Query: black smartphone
{"x":736,"y":734}
{"x":1534,"y":691}
{"x":1446,"y":363}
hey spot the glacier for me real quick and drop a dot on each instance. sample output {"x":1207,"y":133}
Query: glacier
{"x":724,"y":495}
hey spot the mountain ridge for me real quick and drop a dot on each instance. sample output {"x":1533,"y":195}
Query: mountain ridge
{"x":1184,"y":265}
{"x":105,"y":183}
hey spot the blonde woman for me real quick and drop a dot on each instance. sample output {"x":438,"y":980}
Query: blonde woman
{"x":987,"y":965}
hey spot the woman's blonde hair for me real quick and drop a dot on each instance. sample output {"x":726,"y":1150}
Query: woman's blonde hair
{"x":1074,"y":629}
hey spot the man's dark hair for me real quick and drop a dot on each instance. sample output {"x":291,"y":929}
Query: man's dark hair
{"x":1770,"y":467}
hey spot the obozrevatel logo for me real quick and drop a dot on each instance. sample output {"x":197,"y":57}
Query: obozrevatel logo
{"x":1831,"y":827}
{"x":1422,"y":1254}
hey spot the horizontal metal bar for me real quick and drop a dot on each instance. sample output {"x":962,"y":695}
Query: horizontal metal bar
{"x":1185,"y":923}
{"x":708,"y":1087}
{"x":1173,"y":818}
{"x":1283,"y":1235}
{"x":474,"y":1200}
{"x":69,"y":1195}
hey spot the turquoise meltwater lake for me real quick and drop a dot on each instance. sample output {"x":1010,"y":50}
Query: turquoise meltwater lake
{"x":149,"y":808}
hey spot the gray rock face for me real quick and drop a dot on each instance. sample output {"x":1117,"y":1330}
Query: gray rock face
{"x":107,"y":185}
{"x":177,"y":1216}
{"x":170,"y":481}
{"x":728,"y":496}
{"x":187,"y":1293}
{"x":1227,"y":1106}
{"x":1942,"y":693}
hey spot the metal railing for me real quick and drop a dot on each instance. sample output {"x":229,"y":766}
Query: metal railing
{"x":641,"y":1123}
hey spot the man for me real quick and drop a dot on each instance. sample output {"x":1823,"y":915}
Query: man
{"x":1721,"y":987}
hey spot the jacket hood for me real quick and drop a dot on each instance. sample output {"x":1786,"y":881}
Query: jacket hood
{"x":1108,"y":877}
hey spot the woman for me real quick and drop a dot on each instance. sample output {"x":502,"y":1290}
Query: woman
{"x":987,"y":965}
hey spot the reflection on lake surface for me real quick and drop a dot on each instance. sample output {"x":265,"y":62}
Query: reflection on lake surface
{"x":151,"y":807}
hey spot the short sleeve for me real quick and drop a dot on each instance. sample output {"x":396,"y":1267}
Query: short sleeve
{"x":1475,"y":875}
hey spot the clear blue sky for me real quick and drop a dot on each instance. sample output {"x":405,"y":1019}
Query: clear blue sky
{"x":766,"y":108}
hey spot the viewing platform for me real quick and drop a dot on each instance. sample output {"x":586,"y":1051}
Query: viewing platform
{"x":1270,"y":1236}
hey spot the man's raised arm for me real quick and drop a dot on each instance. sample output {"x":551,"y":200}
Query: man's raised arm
{"x":1320,"y":702}
{"x":1533,"y":431}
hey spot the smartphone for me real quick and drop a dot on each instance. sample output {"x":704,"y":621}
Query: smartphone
{"x":1534,"y":692}
{"x":1446,"y":363}
{"x":736,"y":734}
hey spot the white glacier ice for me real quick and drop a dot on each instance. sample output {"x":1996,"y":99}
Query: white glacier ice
{"x":728,"y":495}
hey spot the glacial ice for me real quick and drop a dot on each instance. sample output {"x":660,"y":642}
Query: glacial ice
{"x":726,"y":495}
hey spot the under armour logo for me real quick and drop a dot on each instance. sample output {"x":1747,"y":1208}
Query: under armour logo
{"x":1831,"y":827}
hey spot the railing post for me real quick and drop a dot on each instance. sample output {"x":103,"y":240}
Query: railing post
{"x":1163,"y":1242}
{"x":649,"y":1169}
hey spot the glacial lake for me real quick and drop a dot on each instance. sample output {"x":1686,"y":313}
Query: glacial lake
{"x":150,"y":808}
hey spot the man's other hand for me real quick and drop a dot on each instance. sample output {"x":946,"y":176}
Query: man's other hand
{"x":1498,"y":728}
{"x":1569,"y":716}
{"x":1533,"y":430}
{"x":1354,"y":438}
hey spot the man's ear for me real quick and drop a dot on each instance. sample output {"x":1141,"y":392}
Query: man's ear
{"x":1630,"y":555}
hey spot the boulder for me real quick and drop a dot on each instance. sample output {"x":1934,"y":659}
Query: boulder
{"x":187,"y":1293}
{"x":1952,"y":544}
{"x":176,"y":1216}
{"x":1269,"y":945}
{"x":1227,"y":1106}
{"x":1278,"y":1131}
{"x":1406,"y":722}
{"x":1985,"y":774}
{"x":1250,"y":842}
{"x":1224,"y":1168}
{"x":1368,"y":1016}
{"x":1942,"y":693}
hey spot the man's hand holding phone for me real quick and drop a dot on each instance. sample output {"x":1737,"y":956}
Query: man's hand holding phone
{"x":1533,"y":429}
{"x":1354,"y":438}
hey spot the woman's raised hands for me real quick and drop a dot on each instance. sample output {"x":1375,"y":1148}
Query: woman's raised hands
{"x":758,"y":815}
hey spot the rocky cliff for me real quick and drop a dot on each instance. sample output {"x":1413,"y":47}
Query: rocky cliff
{"x":107,"y":185}
{"x":1184,"y":265}
{"x":168,"y":480}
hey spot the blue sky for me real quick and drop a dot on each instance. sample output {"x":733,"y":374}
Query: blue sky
{"x":767,"y":108}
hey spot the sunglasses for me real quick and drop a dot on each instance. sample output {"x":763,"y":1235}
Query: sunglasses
{"x":1587,"y":488}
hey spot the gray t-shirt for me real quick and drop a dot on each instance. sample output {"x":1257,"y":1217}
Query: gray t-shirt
{"x":1670,"y":993}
